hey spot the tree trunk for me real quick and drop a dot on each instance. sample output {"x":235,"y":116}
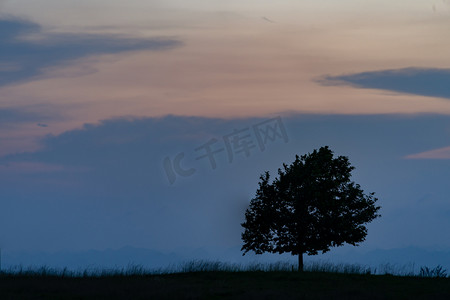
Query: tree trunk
{"x":300,"y":262}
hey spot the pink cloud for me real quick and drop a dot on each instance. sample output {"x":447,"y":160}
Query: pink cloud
{"x":441,"y":153}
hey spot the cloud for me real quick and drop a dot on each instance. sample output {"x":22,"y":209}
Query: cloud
{"x":26,"y":50}
{"x":20,"y":115}
{"x":431,"y":82}
{"x":441,"y":153}
{"x":104,"y":185}
{"x":123,"y":179}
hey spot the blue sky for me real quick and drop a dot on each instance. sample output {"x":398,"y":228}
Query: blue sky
{"x":96,"y":95}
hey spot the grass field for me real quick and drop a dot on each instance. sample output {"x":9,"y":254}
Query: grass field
{"x":200,"y":280}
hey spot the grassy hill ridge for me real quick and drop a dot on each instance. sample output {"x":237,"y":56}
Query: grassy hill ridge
{"x":225,"y":285}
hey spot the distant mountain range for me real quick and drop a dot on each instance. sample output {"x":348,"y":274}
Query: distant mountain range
{"x":152,"y":259}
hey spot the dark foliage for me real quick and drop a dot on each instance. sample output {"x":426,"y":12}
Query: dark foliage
{"x":438,"y":272}
{"x":311,"y":206}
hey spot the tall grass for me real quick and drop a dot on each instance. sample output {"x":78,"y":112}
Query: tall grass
{"x":438,"y":272}
{"x":218,"y":266}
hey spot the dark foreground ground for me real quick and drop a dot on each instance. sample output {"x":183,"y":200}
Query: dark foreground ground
{"x":226,"y":285}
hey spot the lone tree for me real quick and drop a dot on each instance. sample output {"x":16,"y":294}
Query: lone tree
{"x":312,"y":206}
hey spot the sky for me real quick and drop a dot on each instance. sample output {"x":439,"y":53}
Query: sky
{"x":101,"y":100}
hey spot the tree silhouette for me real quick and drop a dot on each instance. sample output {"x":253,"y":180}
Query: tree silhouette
{"x":311,"y":206}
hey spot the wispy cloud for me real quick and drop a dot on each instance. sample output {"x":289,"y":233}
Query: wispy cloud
{"x":432,"y":82}
{"x":26,"y":50}
{"x":441,"y":153}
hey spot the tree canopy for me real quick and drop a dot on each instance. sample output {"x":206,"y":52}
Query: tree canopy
{"x":310,"y":207}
